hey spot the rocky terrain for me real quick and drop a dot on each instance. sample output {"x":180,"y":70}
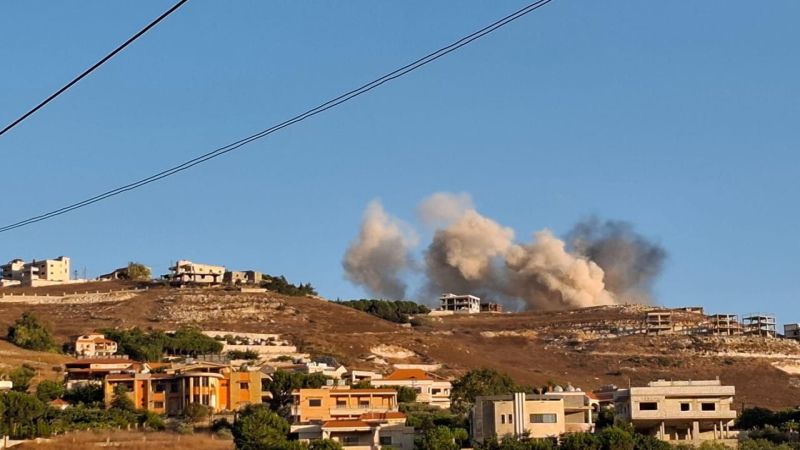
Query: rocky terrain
{"x":588,"y":347}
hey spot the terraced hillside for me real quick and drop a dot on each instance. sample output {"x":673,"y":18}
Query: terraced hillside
{"x":588,"y":347}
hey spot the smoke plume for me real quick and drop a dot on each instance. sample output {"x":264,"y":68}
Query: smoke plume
{"x":631,"y":263}
{"x":605,"y":263}
{"x":380,"y":253}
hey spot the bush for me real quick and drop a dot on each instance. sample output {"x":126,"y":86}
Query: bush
{"x":243,"y":354}
{"x":138,"y":272}
{"x":21,"y":377}
{"x":48,"y":390}
{"x":397,"y":311}
{"x":280,"y":285}
{"x":28,"y":333}
{"x":616,"y":438}
{"x":87,"y":394}
{"x":580,"y":441}
{"x":152,"y":421}
{"x":195,"y":412}
{"x":406,"y":394}
{"x":121,"y":400}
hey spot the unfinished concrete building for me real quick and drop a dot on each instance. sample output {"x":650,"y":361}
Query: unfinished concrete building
{"x":464,"y":304}
{"x":791,"y":331}
{"x":759,"y":324}
{"x":658,"y":322}
{"x":724,"y":324}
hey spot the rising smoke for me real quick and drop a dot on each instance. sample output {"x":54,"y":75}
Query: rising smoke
{"x":606,"y":263}
{"x":380,"y":254}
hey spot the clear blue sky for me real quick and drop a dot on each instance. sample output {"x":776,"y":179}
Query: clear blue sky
{"x":680,"y":117}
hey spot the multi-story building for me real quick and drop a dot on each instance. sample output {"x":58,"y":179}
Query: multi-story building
{"x":431,"y":389}
{"x":217,"y":386}
{"x":759,"y":324}
{"x":518,"y":414}
{"x":186,"y":272}
{"x":658,"y":322}
{"x":464,"y":304}
{"x":678,"y":410}
{"x":340,"y":402}
{"x":37,"y":273}
{"x":94,"y":345}
{"x":724,"y":324}
{"x":92,"y":370}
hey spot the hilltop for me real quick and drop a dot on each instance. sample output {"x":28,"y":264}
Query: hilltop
{"x":586,"y":347}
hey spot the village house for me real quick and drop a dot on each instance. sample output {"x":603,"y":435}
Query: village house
{"x":335,"y":372}
{"x":242,"y":277}
{"x":431,"y":389}
{"x":36,"y":273}
{"x":94,"y":345}
{"x":356,"y":418}
{"x":85,"y":370}
{"x":678,"y":410}
{"x":218,"y":386}
{"x":791,"y":331}
{"x":518,"y":414}
{"x":188,"y":272}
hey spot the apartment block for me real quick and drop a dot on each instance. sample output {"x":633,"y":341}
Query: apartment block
{"x":431,"y":389}
{"x":724,"y":324}
{"x":37,"y":273}
{"x":658,"y":322}
{"x":678,"y":410}
{"x":321,"y":405}
{"x":759,"y":324}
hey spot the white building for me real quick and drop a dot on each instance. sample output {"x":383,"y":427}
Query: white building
{"x":94,"y":345}
{"x":430,"y":388}
{"x":185,"y":271}
{"x":36,"y":273}
{"x":464,"y":304}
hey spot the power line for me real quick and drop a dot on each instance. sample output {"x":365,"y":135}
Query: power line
{"x":300,"y":117}
{"x":95,"y":66}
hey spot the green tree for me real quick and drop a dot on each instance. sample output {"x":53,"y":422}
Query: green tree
{"x":258,"y":428}
{"x":439,"y":438}
{"x":324,"y":444}
{"x":580,"y":441}
{"x":616,"y":438}
{"x":476,"y":383}
{"x":121,"y":400}
{"x":28,"y":333}
{"x":138,"y":272}
{"x":49,"y":390}
{"x":283,"y":383}
{"x":195,"y":412}
{"x":86,"y":394}
{"x":648,"y":442}
{"x":21,"y":377}
{"x":406,"y":394}
{"x":22,"y":413}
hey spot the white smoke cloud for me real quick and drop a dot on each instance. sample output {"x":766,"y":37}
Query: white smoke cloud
{"x":443,"y":208}
{"x":380,"y":253}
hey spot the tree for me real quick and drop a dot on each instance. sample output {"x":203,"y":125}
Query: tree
{"x":647,"y":442}
{"x":21,"y":377}
{"x":439,"y":438}
{"x":324,"y":444}
{"x":283,"y":383}
{"x":616,"y":438}
{"x":476,"y":383}
{"x":49,"y":390}
{"x":22,"y":412}
{"x":87,"y":394}
{"x":406,"y":394}
{"x":28,"y":333}
{"x":195,"y":412}
{"x":121,"y":400}
{"x":258,"y":428}
{"x":580,"y":441}
{"x":138,"y":272}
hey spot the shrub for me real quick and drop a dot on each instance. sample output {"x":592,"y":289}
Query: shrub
{"x":397,"y":311}
{"x":48,"y":390}
{"x":406,"y":394}
{"x":21,"y":377}
{"x":195,"y":412}
{"x":28,"y":333}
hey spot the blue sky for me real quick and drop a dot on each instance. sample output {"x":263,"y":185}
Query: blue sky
{"x":679,"y":117}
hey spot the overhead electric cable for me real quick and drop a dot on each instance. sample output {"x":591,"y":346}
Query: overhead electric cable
{"x":95,"y":66}
{"x":311,"y":112}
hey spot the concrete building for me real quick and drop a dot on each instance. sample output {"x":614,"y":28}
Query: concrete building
{"x":759,"y":324}
{"x":37,"y":273}
{"x":242,"y":277}
{"x":518,"y":414}
{"x":724,"y":325}
{"x":578,"y":408}
{"x":371,"y":431}
{"x":678,"y":410}
{"x":658,"y":322}
{"x":218,"y":386}
{"x":85,"y":370}
{"x":431,"y":389}
{"x":791,"y":331}
{"x":94,"y":345}
{"x":188,"y":272}
{"x":341,"y":402}
{"x":465,"y":304}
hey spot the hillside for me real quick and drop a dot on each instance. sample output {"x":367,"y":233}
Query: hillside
{"x":587,"y":347}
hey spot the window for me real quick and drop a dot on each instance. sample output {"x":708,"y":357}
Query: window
{"x":708,"y":406}
{"x":544,"y":418}
{"x":510,"y":418}
{"x":158,"y":405}
{"x":502,"y":418}
{"x":315,"y":402}
{"x":385,"y":440}
{"x":363,"y":403}
{"x":341,"y":403}
{"x":686,"y":407}
{"x":349,"y":439}
{"x":648,"y":406}
{"x":159,"y":388}
{"x":244,"y":386}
